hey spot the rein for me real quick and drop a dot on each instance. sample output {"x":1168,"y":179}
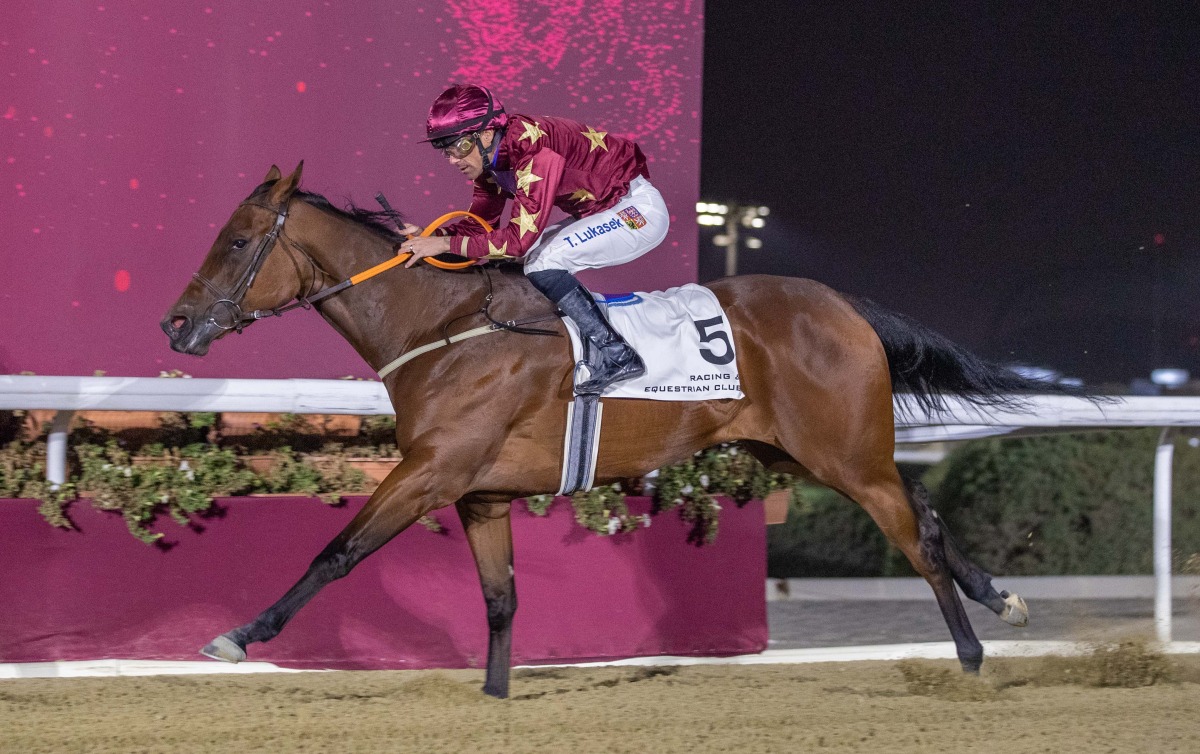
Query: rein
{"x":231,"y":302}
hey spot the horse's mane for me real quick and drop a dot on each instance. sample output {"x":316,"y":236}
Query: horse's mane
{"x":375,"y":221}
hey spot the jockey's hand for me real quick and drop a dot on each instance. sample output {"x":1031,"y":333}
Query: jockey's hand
{"x":411,"y":230}
{"x":425,"y":247}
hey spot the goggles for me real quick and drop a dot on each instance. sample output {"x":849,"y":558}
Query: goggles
{"x":457,"y":148}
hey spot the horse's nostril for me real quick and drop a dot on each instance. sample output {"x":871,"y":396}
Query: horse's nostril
{"x":178,"y":322}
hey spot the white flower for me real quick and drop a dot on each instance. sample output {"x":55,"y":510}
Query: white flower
{"x":686,"y":490}
{"x":184,"y":465}
{"x":716,"y":506}
{"x":733,"y":451}
{"x":165,"y":498}
{"x":614,"y":525}
{"x":645,"y":520}
{"x":651,"y":475}
{"x":190,"y":475}
{"x":128,"y":471}
{"x":704,"y":481}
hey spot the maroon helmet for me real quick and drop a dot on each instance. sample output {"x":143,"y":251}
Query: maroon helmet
{"x":463,"y":109}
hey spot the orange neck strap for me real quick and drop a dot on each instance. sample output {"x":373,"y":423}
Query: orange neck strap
{"x":402,"y":258}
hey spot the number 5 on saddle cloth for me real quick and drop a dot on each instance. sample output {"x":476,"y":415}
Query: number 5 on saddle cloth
{"x":687,"y":345}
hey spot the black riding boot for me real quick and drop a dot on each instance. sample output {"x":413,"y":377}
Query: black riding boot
{"x":620,"y":361}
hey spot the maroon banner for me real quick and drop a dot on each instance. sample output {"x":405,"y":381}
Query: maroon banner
{"x":130,"y":131}
{"x":97,"y":593}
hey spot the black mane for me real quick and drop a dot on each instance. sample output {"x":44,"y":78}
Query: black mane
{"x":375,"y":221}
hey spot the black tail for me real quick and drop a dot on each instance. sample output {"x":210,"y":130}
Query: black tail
{"x":930,"y":367}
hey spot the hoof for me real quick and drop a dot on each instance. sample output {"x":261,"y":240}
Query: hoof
{"x":498,"y":693}
{"x":1015,"y":613}
{"x":225,"y":649}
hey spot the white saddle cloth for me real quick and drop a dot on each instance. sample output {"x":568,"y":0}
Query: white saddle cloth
{"x":684,"y":338}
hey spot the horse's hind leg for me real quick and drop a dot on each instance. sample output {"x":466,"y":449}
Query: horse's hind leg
{"x":976,"y":583}
{"x":909,"y":524}
{"x":489,"y":532}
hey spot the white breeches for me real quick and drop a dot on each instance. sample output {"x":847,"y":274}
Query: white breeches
{"x":620,"y":234}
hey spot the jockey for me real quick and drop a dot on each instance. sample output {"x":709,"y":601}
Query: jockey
{"x":541,"y":162}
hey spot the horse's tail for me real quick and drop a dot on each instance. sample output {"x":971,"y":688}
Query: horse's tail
{"x":930,"y":367}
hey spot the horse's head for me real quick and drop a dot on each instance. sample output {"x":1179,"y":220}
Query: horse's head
{"x":240,"y":275}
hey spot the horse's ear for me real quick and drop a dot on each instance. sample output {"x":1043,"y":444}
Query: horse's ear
{"x":284,"y":187}
{"x":272,"y":174}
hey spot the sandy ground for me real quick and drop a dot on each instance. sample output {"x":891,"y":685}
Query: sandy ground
{"x":1122,"y":700}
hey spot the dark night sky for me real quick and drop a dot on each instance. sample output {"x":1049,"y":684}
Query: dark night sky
{"x":996,"y":170}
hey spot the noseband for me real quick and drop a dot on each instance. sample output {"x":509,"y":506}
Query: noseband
{"x":231,"y":302}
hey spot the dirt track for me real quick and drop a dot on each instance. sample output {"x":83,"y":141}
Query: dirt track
{"x":1047,"y":704}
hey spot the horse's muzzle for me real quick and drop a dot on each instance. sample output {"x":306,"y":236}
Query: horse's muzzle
{"x":184,"y":335}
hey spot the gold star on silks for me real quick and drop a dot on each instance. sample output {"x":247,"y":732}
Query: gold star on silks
{"x":525,"y":221}
{"x":494,"y":253}
{"x":525,"y":177}
{"x":533,"y":132}
{"x":596,"y":137}
{"x":582,"y":195}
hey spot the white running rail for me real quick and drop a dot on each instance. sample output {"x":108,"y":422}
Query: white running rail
{"x":960,"y":422}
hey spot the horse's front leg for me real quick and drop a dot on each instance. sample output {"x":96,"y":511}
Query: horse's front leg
{"x":408,"y":493}
{"x":489,"y":531}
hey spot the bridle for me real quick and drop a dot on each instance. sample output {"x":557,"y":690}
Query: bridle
{"x":231,"y":302}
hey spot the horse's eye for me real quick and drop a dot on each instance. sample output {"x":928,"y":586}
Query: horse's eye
{"x":240,"y":243}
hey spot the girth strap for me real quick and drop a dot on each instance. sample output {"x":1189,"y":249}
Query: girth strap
{"x":495,"y":326}
{"x":395,"y":364}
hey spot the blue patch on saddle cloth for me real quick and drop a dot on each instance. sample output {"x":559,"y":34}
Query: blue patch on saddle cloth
{"x":618,"y":299}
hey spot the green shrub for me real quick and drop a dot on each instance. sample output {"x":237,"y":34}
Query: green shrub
{"x":724,"y":470}
{"x":179,"y":482}
{"x":1066,"y":504}
{"x":827,"y":535}
{"x":1076,"y":504}
{"x":326,"y":474}
{"x":1052,"y":504}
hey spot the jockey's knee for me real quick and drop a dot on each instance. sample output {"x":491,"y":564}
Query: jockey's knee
{"x":553,"y":284}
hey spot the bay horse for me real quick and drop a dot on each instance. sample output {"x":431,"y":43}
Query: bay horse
{"x":481,"y":423}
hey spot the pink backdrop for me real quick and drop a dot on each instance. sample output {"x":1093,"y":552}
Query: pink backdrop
{"x":129,"y":132}
{"x":98,"y":593}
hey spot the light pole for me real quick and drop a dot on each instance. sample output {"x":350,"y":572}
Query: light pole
{"x":1156,"y":299}
{"x":734,"y":217}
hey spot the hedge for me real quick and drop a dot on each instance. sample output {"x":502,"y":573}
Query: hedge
{"x":1076,"y":504}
